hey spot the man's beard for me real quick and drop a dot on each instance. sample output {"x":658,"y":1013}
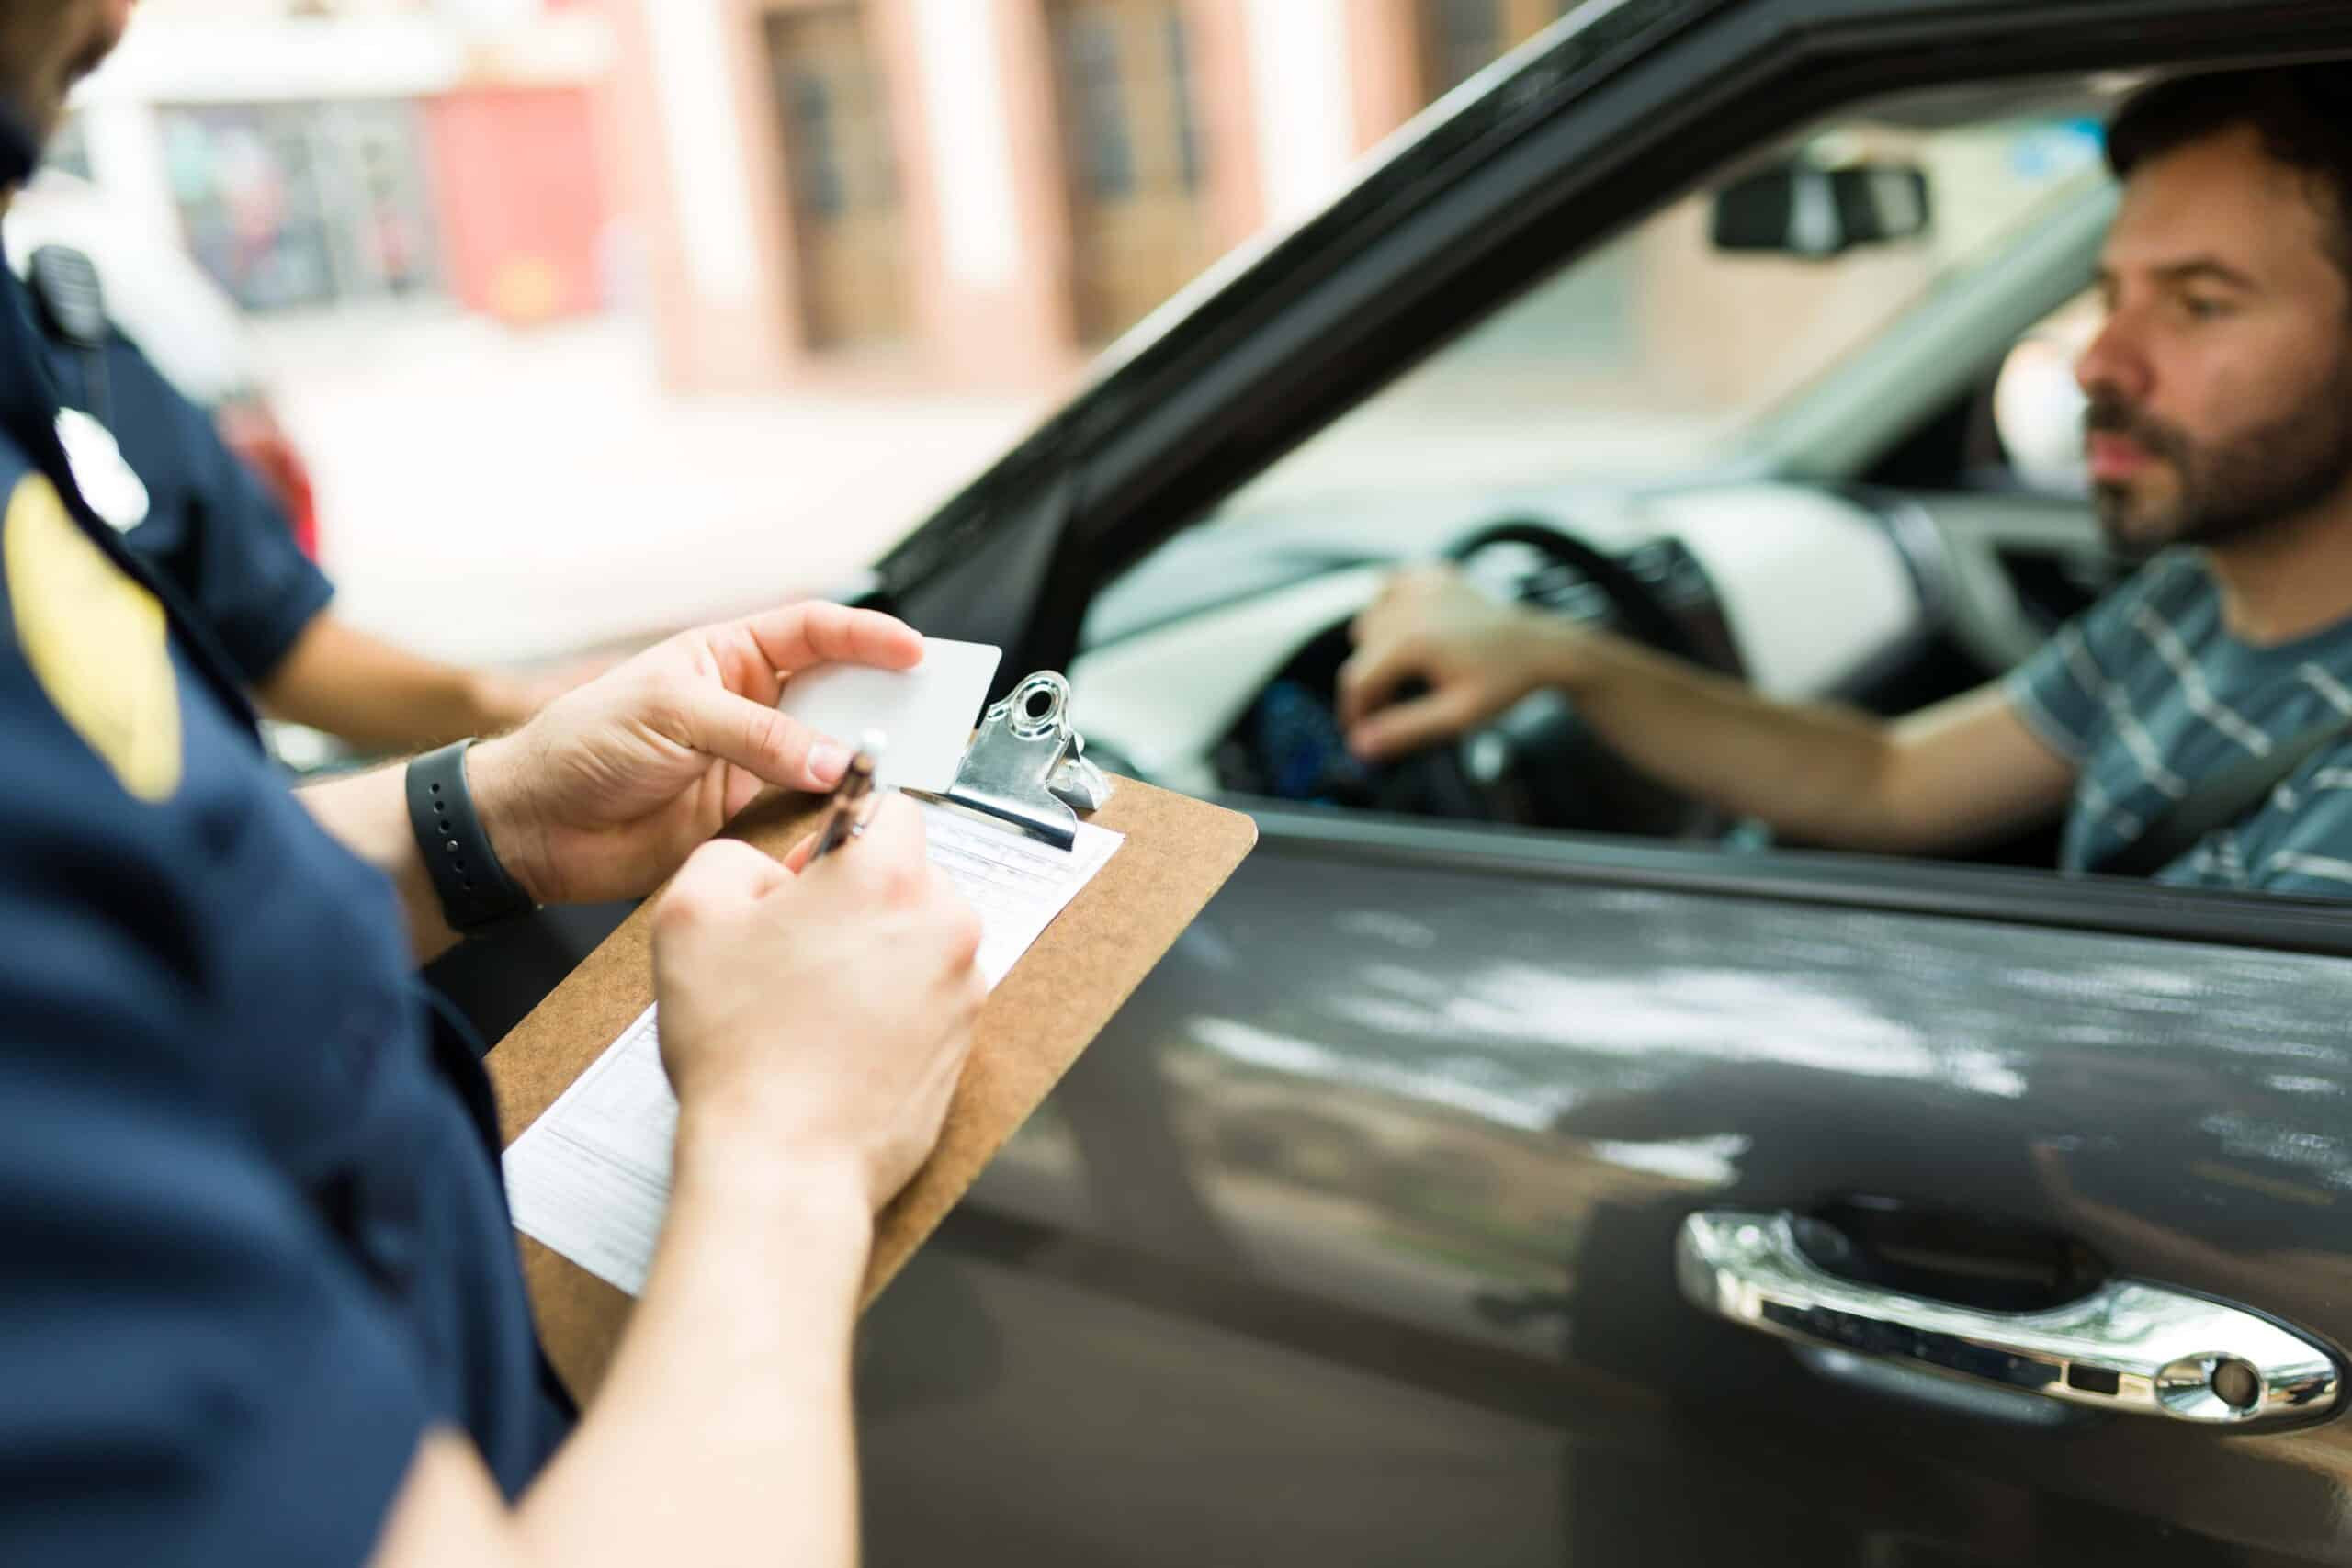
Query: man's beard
{"x":32,"y":103}
{"x":2257,"y":481}
{"x":20,"y":146}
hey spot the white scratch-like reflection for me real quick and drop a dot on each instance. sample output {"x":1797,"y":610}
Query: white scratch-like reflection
{"x":1725,"y":1014}
{"x":2248,"y":1137}
{"x":1710,"y":1162}
{"x":1209,"y":947}
{"x":1464,"y":1083}
{"x":1986,"y":1072}
{"x":2296,"y":1083}
{"x":1386,"y":926}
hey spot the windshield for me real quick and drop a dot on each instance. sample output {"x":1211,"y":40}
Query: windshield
{"x":1660,"y":355}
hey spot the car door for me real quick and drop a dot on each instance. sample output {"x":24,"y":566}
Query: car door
{"x":1353,"y":1239}
{"x":1365,"y":1234}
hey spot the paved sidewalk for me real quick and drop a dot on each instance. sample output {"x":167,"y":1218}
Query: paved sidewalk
{"x":500,"y":496}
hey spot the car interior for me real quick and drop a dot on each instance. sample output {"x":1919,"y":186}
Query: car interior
{"x":1812,"y":425}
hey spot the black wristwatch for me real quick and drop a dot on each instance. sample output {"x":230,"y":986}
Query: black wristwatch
{"x":475,"y":889}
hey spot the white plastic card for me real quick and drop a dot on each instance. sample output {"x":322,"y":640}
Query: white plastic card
{"x":926,"y":713}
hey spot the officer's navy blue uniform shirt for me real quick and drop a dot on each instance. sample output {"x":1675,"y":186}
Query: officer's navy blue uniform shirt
{"x":256,"y":1240}
{"x":211,"y":530}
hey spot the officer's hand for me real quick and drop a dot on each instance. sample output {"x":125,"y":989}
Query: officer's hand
{"x":503,"y":699}
{"x":1475,"y":656}
{"x":822,"y":1019}
{"x":610,"y":788}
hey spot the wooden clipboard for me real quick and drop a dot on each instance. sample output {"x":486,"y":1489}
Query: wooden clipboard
{"x":1178,"y":852}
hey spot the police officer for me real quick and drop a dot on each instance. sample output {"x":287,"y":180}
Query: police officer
{"x":262,"y":1303}
{"x":153,"y":466}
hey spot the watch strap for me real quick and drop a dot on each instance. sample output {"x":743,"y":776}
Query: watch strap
{"x":474,"y":889}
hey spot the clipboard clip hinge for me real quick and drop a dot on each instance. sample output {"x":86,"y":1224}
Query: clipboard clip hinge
{"x":1027,"y":765}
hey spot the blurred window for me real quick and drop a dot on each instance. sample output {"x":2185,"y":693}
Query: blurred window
{"x":833,"y":112}
{"x":1137,"y":173}
{"x":1095,"y":89}
{"x":1605,"y":397}
{"x":821,"y":192}
{"x":1181,"y":88}
{"x":1462,"y":38}
{"x":1465,"y":36}
{"x":303,"y":204}
{"x":1658,"y":355}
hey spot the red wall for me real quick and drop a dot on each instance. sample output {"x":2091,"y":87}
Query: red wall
{"x":520,"y":198}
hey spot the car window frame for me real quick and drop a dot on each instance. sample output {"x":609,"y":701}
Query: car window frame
{"x":2022,"y":897}
{"x":1215,"y":397}
{"x":1492,"y":199}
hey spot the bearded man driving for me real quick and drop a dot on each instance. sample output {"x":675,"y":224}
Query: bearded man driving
{"x":2220,"y":443}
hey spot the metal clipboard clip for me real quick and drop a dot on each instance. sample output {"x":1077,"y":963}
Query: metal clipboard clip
{"x":1028,"y":767}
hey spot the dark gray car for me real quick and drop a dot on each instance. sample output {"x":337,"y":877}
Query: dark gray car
{"x":1512,"y":1167}
{"x":1515,"y":1164}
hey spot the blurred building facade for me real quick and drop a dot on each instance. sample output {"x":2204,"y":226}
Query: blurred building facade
{"x":312,"y":152}
{"x":795,"y":193}
{"x":982,"y":192}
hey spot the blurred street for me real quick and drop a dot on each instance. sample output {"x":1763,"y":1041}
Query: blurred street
{"x":465,"y":471}
{"x":593,"y":317}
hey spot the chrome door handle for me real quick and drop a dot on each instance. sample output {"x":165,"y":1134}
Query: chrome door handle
{"x":2128,"y":1346}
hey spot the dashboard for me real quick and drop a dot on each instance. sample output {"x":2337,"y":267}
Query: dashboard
{"x":1803,"y":591}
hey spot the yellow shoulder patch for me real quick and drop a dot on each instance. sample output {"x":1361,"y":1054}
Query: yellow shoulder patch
{"x":97,"y":641}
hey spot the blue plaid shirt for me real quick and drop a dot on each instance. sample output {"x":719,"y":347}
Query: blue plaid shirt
{"x":2148,"y":693}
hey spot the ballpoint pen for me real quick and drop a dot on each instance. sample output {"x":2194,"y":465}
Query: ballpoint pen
{"x":853,"y":799}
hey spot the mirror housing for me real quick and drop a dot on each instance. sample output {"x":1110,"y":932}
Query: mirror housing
{"x":1806,"y":211}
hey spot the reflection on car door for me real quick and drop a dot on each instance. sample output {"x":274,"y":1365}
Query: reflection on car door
{"x":1352,"y":1239}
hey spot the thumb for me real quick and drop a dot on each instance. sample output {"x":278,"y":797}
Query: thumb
{"x":767,"y":744}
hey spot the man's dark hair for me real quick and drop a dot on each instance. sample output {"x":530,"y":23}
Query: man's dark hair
{"x":2303,"y":113}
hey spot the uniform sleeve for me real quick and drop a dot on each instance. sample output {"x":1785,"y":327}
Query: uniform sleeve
{"x":2062,"y":691}
{"x":239,"y":564}
{"x":189,"y":1371}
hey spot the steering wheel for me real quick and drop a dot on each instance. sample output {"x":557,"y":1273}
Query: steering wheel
{"x":1538,"y":765}
{"x":1641,"y":613}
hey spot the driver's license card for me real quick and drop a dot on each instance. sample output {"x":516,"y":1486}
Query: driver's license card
{"x":925,"y":714}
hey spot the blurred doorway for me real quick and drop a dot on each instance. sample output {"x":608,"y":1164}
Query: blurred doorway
{"x":847,"y":220}
{"x":1139,"y":224}
{"x":1461,"y":37}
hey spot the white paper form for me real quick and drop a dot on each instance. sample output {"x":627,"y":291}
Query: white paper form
{"x":591,"y":1178}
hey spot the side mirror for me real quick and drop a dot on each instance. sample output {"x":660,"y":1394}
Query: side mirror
{"x":1803,"y":210}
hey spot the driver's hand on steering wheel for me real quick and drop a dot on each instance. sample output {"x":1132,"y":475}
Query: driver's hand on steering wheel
{"x":1474,"y":655}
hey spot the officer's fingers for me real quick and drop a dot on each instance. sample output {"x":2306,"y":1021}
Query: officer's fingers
{"x":887,"y":861}
{"x":730,"y":868}
{"x":1409,"y":726}
{"x":795,"y":859}
{"x":721,"y":876}
{"x":799,"y":636}
{"x":769,"y":745}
